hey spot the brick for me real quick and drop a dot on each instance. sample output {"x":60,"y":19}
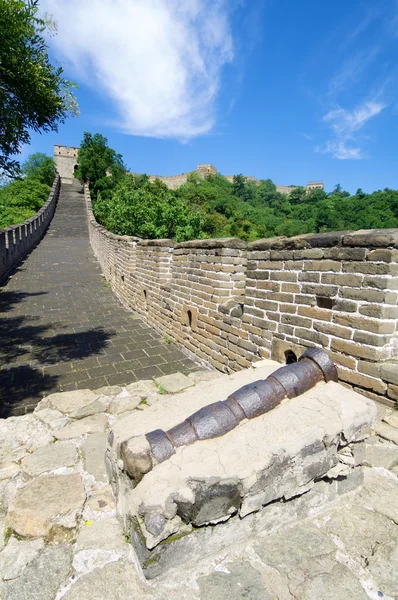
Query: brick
{"x":341,"y":359}
{"x":286,"y":329}
{"x":368,"y":268}
{"x":320,"y":290}
{"x":345,"y":253}
{"x":322,"y":265}
{"x":296,"y":321}
{"x":310,"y":276}
{"x":342,"y":279}
{"x":354,"y":349}
{"x":293,"y":288}
{"x":392,"y":391}
{"x":306,"y":300}
{"x":382,"y":255}
{"x":312,"y":336}
{"x":381,"y":283}
{"x":258,"y":275}
{"x":371,"y":325}
{"x":376,"y":385}
{"x":366,"y":295}
{"x":369,"y":368}
{"x":281,"y":254}
{"x":371,"y":339}
{"x":284,"y":276}
{"x":288,"y":308}
{"x":308,"y":253}
{"x":345,"y":305}
{"x":313,"y":312}
{"x":333,"y":329}
{"x":267,"y":304}
{"x":379,"y":311}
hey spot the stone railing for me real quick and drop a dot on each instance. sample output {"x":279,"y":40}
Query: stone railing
{"x":231,"y":303}
{"x":17,"y":241}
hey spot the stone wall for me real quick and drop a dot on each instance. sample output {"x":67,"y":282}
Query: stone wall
{"x":231,"y":303}
{"x":17,"y":241}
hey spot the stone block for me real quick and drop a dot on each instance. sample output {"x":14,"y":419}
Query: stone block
{"x":271,"y":457}
{"x":172,"y":384}
{"x":389,"y":372}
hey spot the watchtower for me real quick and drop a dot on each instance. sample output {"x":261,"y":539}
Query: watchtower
{"x":65,"y":159}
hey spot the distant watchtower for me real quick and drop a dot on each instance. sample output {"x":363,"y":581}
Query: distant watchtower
{"x":65,"y":159}
{"x":206,"y":170}
{"x":314,"y":185}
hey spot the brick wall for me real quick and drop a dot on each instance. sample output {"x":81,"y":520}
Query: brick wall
{"x":18,"y":240}
{"x":231,"y":303}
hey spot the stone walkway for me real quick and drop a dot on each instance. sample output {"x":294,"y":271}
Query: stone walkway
{"x":60,"y":538}
{"x":62,"y":328}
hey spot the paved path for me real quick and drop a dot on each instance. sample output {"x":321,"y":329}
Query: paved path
{"x":62,"y":328}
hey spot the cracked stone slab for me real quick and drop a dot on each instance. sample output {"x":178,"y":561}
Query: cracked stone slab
{"x":93,"y":424}
{"x":49,"y":458}
{"x":392,"y":419}
{"x":143,"y":388}
{"x":124,"y":404}
{"x":387,"y":432}
{"x":376,"y":452}
{"x":172,"y":384}
{"x":51,"y":417}
{"x":106,"y":534}
{"x":203,"y":375}
{"x":20,"y":435}
{"x":42,"y":577}
{"x":115,"y":580}
{"x":93,"y":451}
{"x":69,"y":403}
{"x":235,"y":581}
{"x":17,"y":555}
{"x":45,"y":502}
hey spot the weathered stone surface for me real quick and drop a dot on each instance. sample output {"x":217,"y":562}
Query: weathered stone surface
{"x":49,"y":458}
{"x":51,"y":417}
{"x":92,"y":424}
{"x":387,"y":432}
{"x":389,"y":372}
{"x":20,"y":435}
{"x":69,"y":403}
{"x":380,"y":492}
{"x":115,"y":580}
{"x":392,"y":419}
{"x":93,"y":450}
{"x":47,"y":501}
{"x":16,"y":555}
{"x":383,"y":566}
{"x":124,"y":404}
{"x":278,"y":455}
{"x":109,"y":390}
{"x":106,"y":534}
{"x":101,"y":501}
{"x":172,"y":384}
{"x":359,"y":532}
{"x":234,"y":582}
{"x":143,"y":388}
{"x":376,"y":452}
{"x":197,"y":376}
{"x":338,"y":584}
{"x":41,"y":579}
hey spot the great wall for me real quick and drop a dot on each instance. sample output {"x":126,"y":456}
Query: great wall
{"x":234,"y":477}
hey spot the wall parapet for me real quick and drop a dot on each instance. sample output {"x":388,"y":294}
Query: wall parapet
{"x":17,"y":241}
{"x":233,"y":303}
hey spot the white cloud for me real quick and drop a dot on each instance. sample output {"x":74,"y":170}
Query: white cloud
{"x":345,"y":125}
{"x":158,"y":61}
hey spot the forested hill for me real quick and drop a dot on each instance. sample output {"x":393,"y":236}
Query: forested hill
{"x":214,"y":207}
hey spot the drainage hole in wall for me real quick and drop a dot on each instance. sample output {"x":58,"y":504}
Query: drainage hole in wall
{"x":324,"y":302}
{"x":123,"y":278}
{"x":290,"y":357}
{"x":189,"y":318}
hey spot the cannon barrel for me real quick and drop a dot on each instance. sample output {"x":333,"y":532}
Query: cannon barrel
{"x":248,"y":402}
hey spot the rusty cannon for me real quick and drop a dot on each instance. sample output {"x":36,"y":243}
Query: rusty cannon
{"x":219,"y":418}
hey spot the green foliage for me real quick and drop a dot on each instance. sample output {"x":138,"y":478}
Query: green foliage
{"x":34,"y":95}
{"x":147,"y":210}
{"x":21,"y":200}
{"x":215,"y":207}
{"x":98,"y":164}
{"x":41,"y":167}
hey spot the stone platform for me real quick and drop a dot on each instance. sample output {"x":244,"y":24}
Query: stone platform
{"x":61,"y":538}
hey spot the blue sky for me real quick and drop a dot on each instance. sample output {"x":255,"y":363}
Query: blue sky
{"x":294,"y":91}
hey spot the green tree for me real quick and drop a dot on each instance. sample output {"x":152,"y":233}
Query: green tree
{"x":39,"y":166}
{"x":21,"y":199}
{"x":34,"y":95}
{"x":98,"y":164}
